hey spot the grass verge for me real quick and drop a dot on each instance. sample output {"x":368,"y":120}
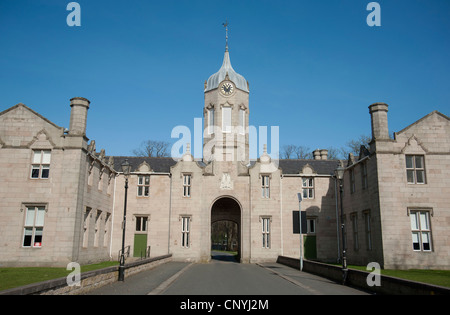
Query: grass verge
{"x":436,"y":277}
{"x":17,"y":277}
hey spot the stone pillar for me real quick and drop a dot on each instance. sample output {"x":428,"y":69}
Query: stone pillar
{"x":378,"y":112}
{"x":78,"y":116}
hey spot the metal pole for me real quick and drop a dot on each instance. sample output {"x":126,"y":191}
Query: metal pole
{"x":300,"y":229}
{"x":344,"y":243}
{"x":122,"y":257}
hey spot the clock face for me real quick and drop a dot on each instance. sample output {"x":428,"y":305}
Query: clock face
{"x":227,"y":88}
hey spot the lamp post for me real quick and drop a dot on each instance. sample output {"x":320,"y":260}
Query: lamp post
{"x":339,"y":172}
{"x":299,"y":196}
{"x":126,"y":169}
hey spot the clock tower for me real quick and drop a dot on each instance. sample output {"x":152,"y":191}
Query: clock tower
{"x":226,"y":115}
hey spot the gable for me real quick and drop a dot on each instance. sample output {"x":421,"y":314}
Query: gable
{"x":20,"y":126}
{"x":429,"y":134}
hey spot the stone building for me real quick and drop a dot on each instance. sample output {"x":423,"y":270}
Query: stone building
{"x":64,"y":200}
{"x":397,"y":195}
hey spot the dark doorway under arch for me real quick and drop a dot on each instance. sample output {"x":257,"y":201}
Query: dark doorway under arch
{"x":226,"y":229}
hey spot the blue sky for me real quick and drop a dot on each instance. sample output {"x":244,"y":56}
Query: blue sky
{"x":313,"y":67}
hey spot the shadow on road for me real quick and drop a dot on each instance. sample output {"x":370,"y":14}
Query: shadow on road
{"x":224,"y":256}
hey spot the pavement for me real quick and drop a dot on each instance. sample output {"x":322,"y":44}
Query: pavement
{"x":224,"y":276}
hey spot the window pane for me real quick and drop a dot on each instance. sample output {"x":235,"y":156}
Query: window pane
{"x":415,"y":239}
{"x":40,"y":216}
{"x":27,"y":236}
{"x":144,"y":223}
{"x":38,"y":237}
{"x":138,"y":224}
{"x":139,"y":190}
{"x":140,"y":180}
{"x":29,"y":220}
{"x":414,"y":223}
{"x":37,"y":157}
{"x":147,"y":180}
{"x":45,"y":171}
{"x":419,"y":161}
{"x":311,"y":193}
{"x":46,"y":157}
{"x":423,"y":221}
{"x":146,"y":191}
{"x":420,"y":177}
{"x":410,"y":176}
{"x":35,"y":171}
{"x":409,"y":161}
{"x":426,"y":241}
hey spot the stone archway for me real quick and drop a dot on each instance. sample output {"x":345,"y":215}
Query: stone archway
{"x":227,"y":209}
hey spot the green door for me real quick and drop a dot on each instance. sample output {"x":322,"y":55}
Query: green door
{"x":310,"y":246}
{"x":140,"y":245}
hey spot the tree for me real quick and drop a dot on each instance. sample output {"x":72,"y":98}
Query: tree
{"x":353,"y":146}
{"x":152,"y":148}
{"x":288,"y":151}
{"x":295,"y":152}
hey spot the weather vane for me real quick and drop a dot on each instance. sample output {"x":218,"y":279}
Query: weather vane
{"x":226,"y":34}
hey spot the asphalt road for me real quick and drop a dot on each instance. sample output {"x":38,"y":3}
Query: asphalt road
{"x":224,"y":276}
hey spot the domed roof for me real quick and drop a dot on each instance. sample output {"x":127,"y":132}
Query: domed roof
{"x":233,"y":76}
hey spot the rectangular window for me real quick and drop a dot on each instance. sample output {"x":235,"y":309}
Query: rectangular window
{"x":143,"y":187}
{"x":141,"y":224}
{"x":421,"y":230}
{"x":265,"y":186}
{"x":242,"y":122}
{"x":34,"y":226}
{"x":186,"y":185}
{"x":352,"y":181}
{"x":308,"y":188}
{"x":368,"y":230}
{"x":415,"y":169}
{"x":86,"y":223}
{"x":211,"y":121}
{"x":107,"y":229}
{"x":40,"y":167}
{"x":97,"y":227}
{"x":265,"y":232}
{"x":364,"y":183}
{"x":185,"y":230}
{"x":354,"y":219}
{"x":226,"y":119}
{"x":311,"y":226}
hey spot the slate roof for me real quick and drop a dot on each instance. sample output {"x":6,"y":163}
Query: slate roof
{"x":163,"y":164}
{"x":157,"y":164}
{"x":321,"y":167}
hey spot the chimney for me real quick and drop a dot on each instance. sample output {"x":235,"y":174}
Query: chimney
{"x":78,"y":116}
{"x":378,"y":112}
{"x":316,"y":154}
{"x":324,"y":154}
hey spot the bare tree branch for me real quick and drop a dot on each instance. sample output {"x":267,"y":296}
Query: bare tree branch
{"x":152,"y":148}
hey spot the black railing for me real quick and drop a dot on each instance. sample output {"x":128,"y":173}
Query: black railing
{"x":126,"y":252}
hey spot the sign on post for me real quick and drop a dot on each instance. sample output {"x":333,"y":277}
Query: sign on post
{"x":296,"y":223}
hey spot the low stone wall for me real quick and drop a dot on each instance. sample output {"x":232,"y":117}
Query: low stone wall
{"x":89,"y":280}
{"x":358,"y":279}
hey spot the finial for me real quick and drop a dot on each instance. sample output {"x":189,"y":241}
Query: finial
{"x":226,"y":34}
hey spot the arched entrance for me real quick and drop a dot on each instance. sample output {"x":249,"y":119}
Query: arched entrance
{"x":225,"y":229}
